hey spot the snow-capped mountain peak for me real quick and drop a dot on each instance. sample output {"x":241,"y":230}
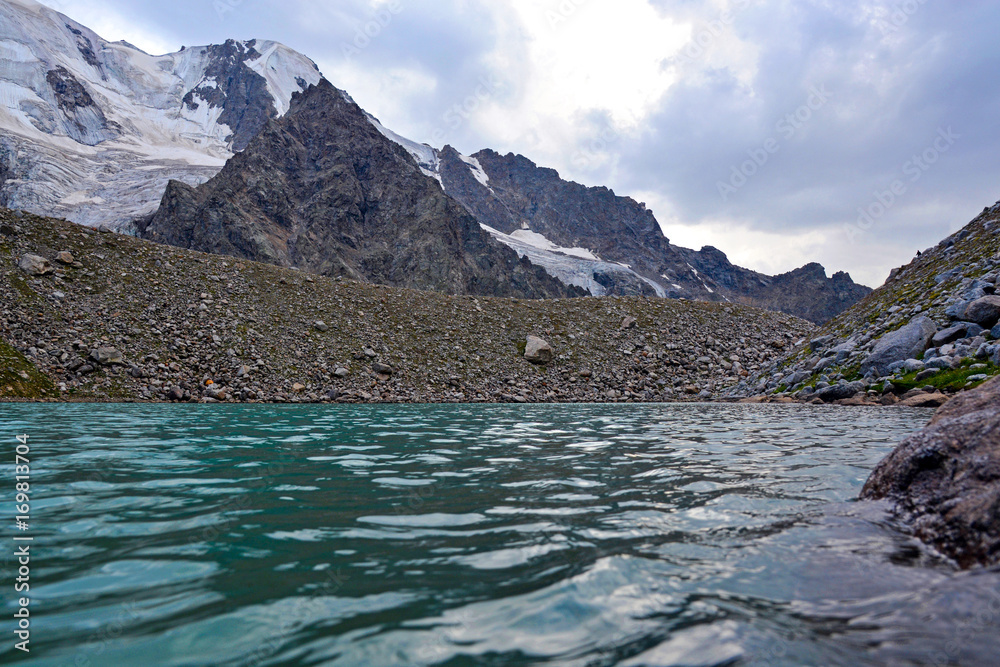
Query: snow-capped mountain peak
{"x":92,"y":130}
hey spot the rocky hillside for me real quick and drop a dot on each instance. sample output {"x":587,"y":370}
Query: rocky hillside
{"x":514,"y":196}
{"x":92,"y":316}
{"x":932,"y":327}
{"x":324,"y":191}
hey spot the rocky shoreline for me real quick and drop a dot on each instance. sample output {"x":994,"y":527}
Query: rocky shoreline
{"x":91,"y":316}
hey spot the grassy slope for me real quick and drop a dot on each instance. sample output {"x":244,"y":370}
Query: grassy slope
{"x":20,"y":379}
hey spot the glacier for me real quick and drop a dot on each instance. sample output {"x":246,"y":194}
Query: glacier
{"x":93,"y":130}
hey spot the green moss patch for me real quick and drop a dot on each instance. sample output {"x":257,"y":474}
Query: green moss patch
{"x":19,"y":378}
{"x":948,"y":380}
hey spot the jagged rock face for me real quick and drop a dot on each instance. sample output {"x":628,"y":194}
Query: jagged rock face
{"x":522,"y":195}
{"x":239,"y":91}
{"x":518,"y":194}
{"x":323,"y":190}
{"x":567,"y":213}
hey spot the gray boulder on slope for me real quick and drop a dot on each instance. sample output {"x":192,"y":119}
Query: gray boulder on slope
{"x":985,"y":312}
{"x":900,"y":345}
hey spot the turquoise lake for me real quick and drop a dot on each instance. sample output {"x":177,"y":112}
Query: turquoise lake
{"x":476,"y":535}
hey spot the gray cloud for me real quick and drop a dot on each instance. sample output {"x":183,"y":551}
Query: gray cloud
{"x":892,"y":87}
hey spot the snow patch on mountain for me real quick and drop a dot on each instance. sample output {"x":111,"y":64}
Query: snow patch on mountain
{"x":283,"y":69}
{"x":539,"y":241}
{"x":426,"y":156}
{"x":579,"y":268}
{"x":477,"y":170}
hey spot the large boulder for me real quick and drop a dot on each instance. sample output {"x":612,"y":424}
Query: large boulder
{"x":817,"y":344}
{"x":34,"y":265}
{"x":985,"y":312}
{"x":106,"y":356}
{"x":839,"y":392}
{"x":958,"y":332}
{"x":945,"y":480}
{"x":908,"y":342}
{"x":537,"y":351}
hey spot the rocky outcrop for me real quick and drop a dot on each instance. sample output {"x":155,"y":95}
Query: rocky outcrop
{"x":511,"y":193}
{"x":324,"y":191}
{"x":945,"y":480}
{"x":83,"y":119}
{"x":926,"y":329}
{"x":520,"y":193}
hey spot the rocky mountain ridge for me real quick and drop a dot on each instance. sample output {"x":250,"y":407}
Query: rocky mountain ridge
{"x":628,"y":252}
{"x":322,"y":190}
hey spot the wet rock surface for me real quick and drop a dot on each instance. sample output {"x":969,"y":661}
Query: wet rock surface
{"x":945,"y":480}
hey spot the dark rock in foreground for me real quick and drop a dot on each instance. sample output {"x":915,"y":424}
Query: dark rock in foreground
{"x":945,"y":480}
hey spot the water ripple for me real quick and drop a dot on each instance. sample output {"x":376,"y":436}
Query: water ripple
{"x":467,"y":535}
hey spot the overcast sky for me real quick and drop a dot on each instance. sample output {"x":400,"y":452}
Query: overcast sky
{"x":849,"y":132}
